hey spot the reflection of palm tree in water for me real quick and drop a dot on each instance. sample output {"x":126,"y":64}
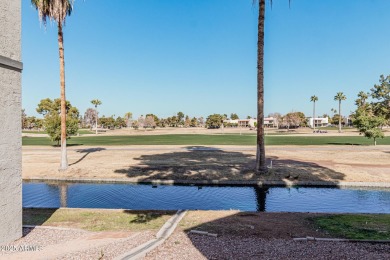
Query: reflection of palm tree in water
{"x":261,"y":196}
{"x":63,"y":195}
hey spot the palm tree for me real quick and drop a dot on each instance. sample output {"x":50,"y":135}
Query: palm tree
{"x":362,"y":97}
{"x":314,"y":99}
{"x":340,"y":96}
{"x":260,"y":149}
{"x":96,"y":102}
{"x":57,"y":10}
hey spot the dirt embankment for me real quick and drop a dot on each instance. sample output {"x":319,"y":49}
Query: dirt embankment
{"x":144,"y":163}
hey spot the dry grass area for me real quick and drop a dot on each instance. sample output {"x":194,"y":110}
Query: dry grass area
{"x":144,"y":163}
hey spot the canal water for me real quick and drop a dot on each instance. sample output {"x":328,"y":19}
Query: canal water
{"x":169,"y":197}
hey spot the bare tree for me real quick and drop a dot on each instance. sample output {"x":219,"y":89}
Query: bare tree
{"x":141,"y":121}
{"x":277,"y":118}
{"x":187,"y":121}
{"x":291,"y":119}
{"x":128,"y":118}
{"x":149,"y":122}
{"x":90,"y":117}
{"x":201,"y":121}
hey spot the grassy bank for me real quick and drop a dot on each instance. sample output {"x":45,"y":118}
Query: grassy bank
{"x":352,"y":226}
{"x":207,"y":140}
{"x":97,"y":220}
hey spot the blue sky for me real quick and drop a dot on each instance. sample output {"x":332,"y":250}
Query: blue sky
{"x":199,"y":56}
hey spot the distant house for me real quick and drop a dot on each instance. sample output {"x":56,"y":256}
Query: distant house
{"x":247,"y":122}
{"x":268,"y":122}
{"x":241,"y":122}
{"x":318,"y":121}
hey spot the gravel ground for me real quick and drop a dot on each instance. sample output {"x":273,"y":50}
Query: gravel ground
{"x":44,"y":237}
{"x":111,"y":250}
{"x":191,"y":246}
{"x":182,"y":245}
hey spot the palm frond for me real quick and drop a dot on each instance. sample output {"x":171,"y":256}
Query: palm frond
{"x":56,"y":10}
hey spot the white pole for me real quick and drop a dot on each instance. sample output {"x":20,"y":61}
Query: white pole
{"x":96,"y":119}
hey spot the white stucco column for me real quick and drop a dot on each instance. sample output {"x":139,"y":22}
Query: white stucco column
{"x":10,"y":121}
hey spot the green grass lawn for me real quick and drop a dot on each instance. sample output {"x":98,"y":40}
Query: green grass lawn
{"x":207,"y":140}
{"x":97,"y":220}
{"x":85,"y":131}
{"x":356,"y":226}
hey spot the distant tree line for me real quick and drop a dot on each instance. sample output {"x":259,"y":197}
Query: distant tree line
{"x":31,"y":122}
{"x":290,"y":120}
{"x":371,"y":115}
{"x":148,"y":121}
{"x":48,"y":108}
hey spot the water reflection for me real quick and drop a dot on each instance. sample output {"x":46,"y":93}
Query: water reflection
{"x":261,"y":198}
{"x":63,"y":195}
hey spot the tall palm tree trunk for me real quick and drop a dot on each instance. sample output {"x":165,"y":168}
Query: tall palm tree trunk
{"x":314,"y":115}
{"x":64,"y":157}
{"x":339,"y":116}
{"x":260,"y":151}
{"x":96,"y":116}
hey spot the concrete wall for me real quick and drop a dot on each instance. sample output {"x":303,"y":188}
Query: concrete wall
{"x":10,"y":121}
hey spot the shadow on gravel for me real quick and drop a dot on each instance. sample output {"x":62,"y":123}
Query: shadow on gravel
{"x":264,"y":225}
{"x":86,"y":152}
{"x":201,"y":163}
{"x":35,"y":217}
{"x":263,"y":235}
{"x":244,"y":235}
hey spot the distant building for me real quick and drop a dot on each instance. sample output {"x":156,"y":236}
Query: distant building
{"x":268,"y":122}
{"x":347,"y":121}
{"x":241,"y":122}
{"x":318,"y":121}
